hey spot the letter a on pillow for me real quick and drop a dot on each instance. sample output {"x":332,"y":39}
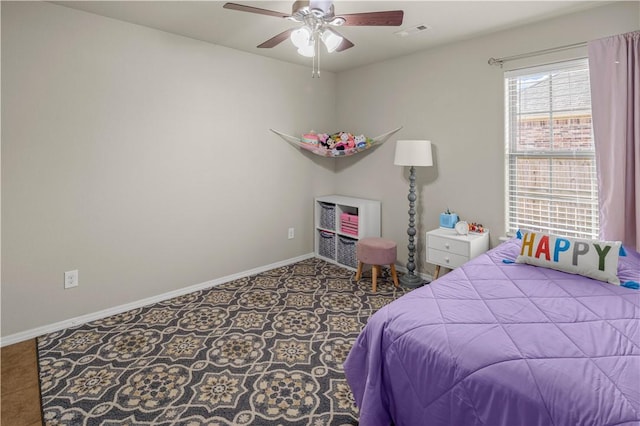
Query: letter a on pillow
{"x":591,"y":258}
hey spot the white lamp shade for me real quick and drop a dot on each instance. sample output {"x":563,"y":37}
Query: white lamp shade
{"x":331,"y":39}
{"x":309,"y":51}
{"x":413,"y":153}
{"x":300,"y":37}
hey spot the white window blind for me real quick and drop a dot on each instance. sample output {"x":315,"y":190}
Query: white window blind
{"x":550,"y":157}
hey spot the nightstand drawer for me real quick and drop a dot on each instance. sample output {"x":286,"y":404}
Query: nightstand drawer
{"x":446,"y":259}
{"x":449,"y":245}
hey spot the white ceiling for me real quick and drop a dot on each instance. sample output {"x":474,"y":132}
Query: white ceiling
{"x":448,"y":21}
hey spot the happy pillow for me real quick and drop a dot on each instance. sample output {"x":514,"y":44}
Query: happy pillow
{"x":591,"y":258}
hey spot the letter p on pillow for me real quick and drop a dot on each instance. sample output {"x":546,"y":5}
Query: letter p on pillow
{"x":590,"y":258}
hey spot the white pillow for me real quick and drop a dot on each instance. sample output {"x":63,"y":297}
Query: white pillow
{"x":591,"y":258}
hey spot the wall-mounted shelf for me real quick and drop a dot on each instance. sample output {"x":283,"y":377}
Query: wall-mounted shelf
{"x":324,"y":152}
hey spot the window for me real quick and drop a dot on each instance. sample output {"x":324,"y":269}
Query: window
{"x":550,"y":156}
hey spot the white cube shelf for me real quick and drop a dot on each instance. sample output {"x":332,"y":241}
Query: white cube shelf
{"x":334,"y":244}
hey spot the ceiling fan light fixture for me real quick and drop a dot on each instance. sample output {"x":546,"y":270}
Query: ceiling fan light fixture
{"x":316,"y":17}
{"x":301,"y":37}
{"x":331,"y":39}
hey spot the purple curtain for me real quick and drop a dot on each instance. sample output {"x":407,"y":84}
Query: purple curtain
{"x":614,"y":64}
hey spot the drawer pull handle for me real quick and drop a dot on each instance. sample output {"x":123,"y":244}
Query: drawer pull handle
{"x":446,"y":259}
{"x":447,"y":245}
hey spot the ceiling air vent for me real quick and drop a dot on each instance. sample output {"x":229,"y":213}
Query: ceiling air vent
{"x":411,"y":31}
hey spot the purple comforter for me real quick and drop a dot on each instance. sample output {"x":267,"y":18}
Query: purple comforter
{"x":503,"y":344}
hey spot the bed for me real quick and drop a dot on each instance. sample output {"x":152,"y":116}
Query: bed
{"x":496,"y":343}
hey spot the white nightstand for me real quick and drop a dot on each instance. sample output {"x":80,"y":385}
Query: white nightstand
{"x":446,"y":248}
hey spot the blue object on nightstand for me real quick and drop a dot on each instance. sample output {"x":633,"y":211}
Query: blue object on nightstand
{"x":448,"y":220}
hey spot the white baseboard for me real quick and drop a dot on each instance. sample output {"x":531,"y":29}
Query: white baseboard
{"x":72,"y":322}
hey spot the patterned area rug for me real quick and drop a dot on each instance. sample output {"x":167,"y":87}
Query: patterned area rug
{"x":263,"y":350}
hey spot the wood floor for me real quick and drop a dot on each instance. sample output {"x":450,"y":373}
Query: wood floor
{"x":19,"y":394}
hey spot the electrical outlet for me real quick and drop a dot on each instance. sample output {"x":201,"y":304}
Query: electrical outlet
{"x":71,"y":279}
{"x":291,"y":233}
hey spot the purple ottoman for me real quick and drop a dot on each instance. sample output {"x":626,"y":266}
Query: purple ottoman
{"x":376,"y":252}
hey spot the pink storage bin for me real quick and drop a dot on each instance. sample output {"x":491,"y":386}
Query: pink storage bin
{"x":351,"y":218}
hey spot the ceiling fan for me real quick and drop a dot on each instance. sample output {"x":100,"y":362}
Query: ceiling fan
{"x":318,"y":19}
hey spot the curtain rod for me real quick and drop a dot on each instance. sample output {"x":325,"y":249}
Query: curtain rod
{"x":500,"y":61}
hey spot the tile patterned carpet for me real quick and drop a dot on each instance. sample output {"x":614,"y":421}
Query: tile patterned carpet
{"x":263,"y":350}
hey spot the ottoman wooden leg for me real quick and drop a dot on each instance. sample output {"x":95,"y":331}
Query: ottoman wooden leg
{"x":375,"y":277}
{"x":394,"y":275}
{"x":359,"y":273}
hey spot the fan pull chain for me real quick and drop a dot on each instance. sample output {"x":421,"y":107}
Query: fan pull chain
{"x":316,"y":62}
{"x":318,"y":50}
{"x":313,"y":65}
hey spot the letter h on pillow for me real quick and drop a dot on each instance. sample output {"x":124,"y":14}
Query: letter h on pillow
{"x":591,"y":258}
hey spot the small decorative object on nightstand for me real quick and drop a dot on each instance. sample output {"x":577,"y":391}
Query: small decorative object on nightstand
{"x":462,"y":228}
{"x":448,"y":219}
{"x":446,"y":248}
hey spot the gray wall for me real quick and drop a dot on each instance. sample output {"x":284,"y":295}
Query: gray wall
{"x":143,"y":159}
{"x":452,"y":97}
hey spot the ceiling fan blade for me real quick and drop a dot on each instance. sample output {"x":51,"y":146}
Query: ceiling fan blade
{"x":392,"y":18}
{"x":346,"y":44}
{"x":243,"y":8}
{"x":276,"y":40}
